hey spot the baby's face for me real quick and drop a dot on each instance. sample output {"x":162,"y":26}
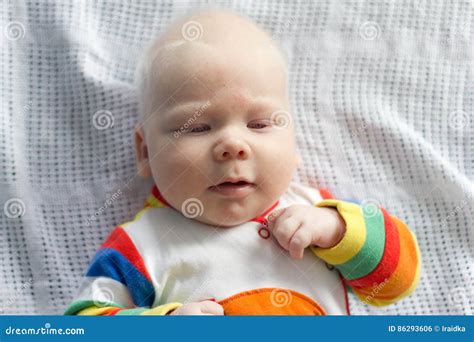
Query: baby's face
{"x":220,"y":117}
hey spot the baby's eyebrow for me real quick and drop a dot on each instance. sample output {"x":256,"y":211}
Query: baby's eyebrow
{"x":186,"y":110}
{"x":195,"y":109}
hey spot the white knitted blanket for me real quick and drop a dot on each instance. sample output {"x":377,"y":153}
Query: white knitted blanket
{"x":382,"y":97}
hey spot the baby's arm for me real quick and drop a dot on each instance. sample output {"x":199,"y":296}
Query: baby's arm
{"x":378,"y":256}
{"x":117,"y":282}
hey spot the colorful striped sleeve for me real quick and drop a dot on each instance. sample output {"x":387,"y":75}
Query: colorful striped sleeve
{"x":378,"y":257}
{"x":117,"y":282}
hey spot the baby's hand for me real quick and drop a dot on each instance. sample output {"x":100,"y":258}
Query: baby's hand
{"x":207,"y":307}
{"x":299,"y":226}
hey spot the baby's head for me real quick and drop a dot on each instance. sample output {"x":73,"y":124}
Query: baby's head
{"x":214,"y":107}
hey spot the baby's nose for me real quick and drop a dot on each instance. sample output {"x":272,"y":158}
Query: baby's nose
{"x":233,"y":148}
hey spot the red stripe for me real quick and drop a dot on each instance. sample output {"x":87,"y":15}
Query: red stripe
{"x":325,"y":194}
{"x":261,"y":218}
{"x":113,"y":312}
{"x":389,"y":261}
{"x":121,"y":242}
{"x":346,"y":297}
{"x":157,"y":194}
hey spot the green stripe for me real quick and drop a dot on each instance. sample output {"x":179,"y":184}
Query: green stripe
{"x":371,"y":252}
{"x":77,"y":306}
{"x":131,"y":312}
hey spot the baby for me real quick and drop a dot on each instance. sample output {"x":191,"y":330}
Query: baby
{"x":225,"y":230}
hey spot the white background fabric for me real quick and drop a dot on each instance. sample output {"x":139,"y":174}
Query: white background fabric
{"x":382,"y":94}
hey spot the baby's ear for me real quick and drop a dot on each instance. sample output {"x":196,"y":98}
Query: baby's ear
{"x":141,"y":152}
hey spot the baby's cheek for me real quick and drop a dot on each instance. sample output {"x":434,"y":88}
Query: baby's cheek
{"x":280,"y":155}
{"x":165,"y":168}
{"x":277,"y":168}
{"x":180,"y":175}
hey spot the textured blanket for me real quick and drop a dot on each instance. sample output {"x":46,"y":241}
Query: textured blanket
{"x":382,"y":97}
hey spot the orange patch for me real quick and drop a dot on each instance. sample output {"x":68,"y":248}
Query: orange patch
{"x":270,"y":301}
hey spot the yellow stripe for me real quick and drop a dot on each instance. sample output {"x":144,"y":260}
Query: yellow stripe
{"x":155,"y":202}
{"x":353,"y":239}
{"x":95,"y":311}
{"x":137,"y":217}
{"x":161,"y":310}
{"x":140,"y":213}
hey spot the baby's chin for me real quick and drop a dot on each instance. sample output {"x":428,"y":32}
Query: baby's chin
{"x":227,"y":219}
{"x":222,"y":222}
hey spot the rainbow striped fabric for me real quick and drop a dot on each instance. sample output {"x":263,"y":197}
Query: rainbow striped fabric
{"x":378,"y":259}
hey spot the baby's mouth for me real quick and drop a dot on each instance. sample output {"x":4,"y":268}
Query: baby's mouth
{"x":233,"y":189}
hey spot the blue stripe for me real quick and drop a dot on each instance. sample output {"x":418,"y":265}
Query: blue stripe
{"x":351,"y":200}
{"x":110,"y":263}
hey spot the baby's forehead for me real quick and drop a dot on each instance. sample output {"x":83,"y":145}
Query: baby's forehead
{"x":184,"y":69}
{"x":181,"y":56}
{"x":223,"y":54}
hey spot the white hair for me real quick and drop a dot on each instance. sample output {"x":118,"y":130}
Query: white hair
{"x":156,"y":54}
{"x":144,"y":71}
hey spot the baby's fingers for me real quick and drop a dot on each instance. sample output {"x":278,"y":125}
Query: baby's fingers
{"x":299,"y":241}
{"x":211,"y":308}
{"x":284,"y":230}
{"x":274,"y":216}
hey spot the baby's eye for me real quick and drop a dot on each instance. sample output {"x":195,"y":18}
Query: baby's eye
{"x":199,"y":129}
{"x":259,"y":124}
